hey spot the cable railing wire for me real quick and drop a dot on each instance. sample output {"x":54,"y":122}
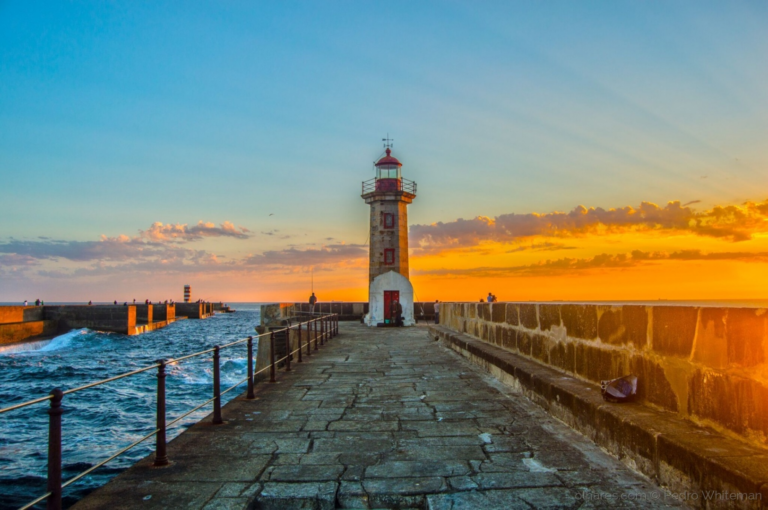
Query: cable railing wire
{"x":328,"y":329}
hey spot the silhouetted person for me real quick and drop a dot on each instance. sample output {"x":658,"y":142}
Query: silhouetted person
{"x":312,"y":301}
{"x":490,"y":297}
{"x":25,"y":302}
{"x":437,"y":311}
{"x":90,"y":303}
{"x":115,"y":301}
{"x":37,"y":302}
{"x":399,"y":312}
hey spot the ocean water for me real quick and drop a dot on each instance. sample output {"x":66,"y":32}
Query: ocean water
{"x":99,"y":421}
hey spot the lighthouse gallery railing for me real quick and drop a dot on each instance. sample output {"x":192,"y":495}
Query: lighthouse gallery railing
{"x":319,"y":330}
{"x":373,"y":185}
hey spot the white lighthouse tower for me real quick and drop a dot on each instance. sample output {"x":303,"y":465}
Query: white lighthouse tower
{"x":389,"y":194}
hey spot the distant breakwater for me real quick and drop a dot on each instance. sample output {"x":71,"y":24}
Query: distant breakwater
{"x":30,"y":323}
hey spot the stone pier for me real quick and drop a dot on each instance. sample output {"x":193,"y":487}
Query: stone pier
{"x":381,"y":418}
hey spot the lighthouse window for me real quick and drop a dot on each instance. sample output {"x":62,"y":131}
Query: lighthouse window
{"x":389,"y":220}
{"x":388,"y":172}
{"x":389,"y":256}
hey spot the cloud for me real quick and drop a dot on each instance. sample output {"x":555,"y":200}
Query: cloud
{"x":327,"y":254}
{"x":602,"y":261}
{"x":733,"y":223}
{"x":15,"y":259}
{"x":541,"y":247}
{"x":159,"y":241}
{"x":180,"y":232}
{"x":691,"y":202}
{"x":108,"y":248}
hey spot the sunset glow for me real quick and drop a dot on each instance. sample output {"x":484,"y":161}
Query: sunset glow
{"x":620,"y":157}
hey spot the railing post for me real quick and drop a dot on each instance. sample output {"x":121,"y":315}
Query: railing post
{"x":309,"y":338}
{"x":288,"y":350}
{"x":54,"y":451}
{"x":315,"y":323}
{"x":272,"y":356}
{"x":250,"y":395}
{"x":322,"y":330}
{"x":161,"y":456}
{"x":337,"y":325}
{"x":216,"y":387}
{"x":299,"y":349}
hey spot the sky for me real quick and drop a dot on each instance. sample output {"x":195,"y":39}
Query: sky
{"x":599,"y":150}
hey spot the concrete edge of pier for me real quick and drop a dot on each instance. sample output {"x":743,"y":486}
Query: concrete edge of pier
{"x":674,"y":453}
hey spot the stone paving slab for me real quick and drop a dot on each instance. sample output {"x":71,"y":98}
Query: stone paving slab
{"x":380,"y":418}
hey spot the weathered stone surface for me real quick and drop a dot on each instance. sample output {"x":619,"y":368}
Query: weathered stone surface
{"x":524,"y":342}
{"x":598,"y":364}
{"x":652,"y":383}
{"x":580,"y":321}
{"x":711,"y":343}
{"x":540,"y":348}
{"x":278,"y":496}
{"x":306,"y":473}
{"x":528,"y":316}
{"x":737,"y":403}
{"x":512,"y":315}
{"x":498,"y":312}
{"x":683,"y":456}
{"x":562,"y":355}
{"x":402,"y":492}
{"x":746,"y":334}
{"x":674,"y":328}
{"x":352,"y":495}
{"x":487,"y":500}
{"x":549,"y":315}
{"x":405,"y":469}
{"x":484,"y":311}
{"x":400,"y":419}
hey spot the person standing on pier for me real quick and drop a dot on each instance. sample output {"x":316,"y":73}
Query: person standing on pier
{"x":437,"y":311}
{"x":312,"y":301}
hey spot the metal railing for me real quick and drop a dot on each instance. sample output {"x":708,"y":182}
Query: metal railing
{"x":384,"y":185}
{"x":321,"y":328}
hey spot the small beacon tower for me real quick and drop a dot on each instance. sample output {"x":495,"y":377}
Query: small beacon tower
{"x":389,"y":194}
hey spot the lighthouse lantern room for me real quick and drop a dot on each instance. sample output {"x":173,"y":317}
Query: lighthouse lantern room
{"x":389,"y":194}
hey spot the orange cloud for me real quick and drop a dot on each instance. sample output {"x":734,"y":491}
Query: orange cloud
{"x":604,"y":260}
{"x":181,"y":232}
{"x":733,"y":223}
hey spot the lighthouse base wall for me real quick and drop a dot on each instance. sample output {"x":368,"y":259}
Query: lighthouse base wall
{"x":388,"y":282}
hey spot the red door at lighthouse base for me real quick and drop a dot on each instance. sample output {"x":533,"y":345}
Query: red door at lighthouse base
{"x":391,"y":297}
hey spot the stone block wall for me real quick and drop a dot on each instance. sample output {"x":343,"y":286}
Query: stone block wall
{"x":22,"y":331}
{"x":164,"y":312}
{"x":11,"y":314}
{"x":706,"y":364}
{"x":117,"y":318}
{"x":190,"y":310}
{"x":144,"y":313}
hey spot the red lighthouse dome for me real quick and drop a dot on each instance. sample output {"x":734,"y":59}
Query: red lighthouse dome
{"x":388,"y":160}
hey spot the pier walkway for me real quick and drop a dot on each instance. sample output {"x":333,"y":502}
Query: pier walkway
{"x":381,"y":418}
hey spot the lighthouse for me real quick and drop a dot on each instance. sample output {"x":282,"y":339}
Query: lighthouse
{"x":388,"y":195}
